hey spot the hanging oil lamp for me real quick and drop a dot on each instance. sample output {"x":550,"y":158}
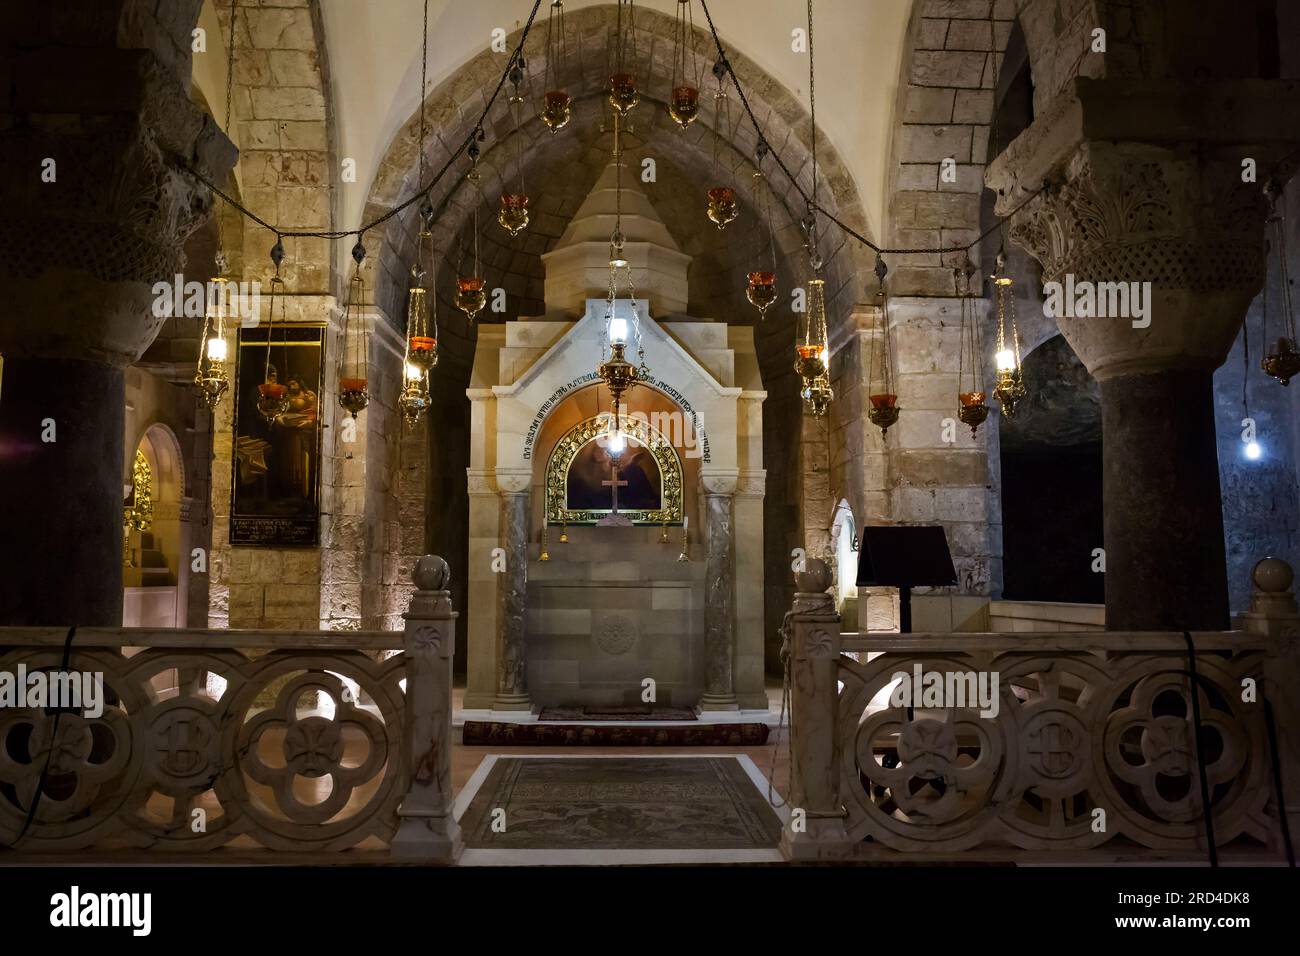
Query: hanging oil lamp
{"x":619,"y":374}
{"x":813,"y":354}
{"x":471,"y":290}
{"x":1010,"y":387}
{"x":971,"y":406}
{"x":623,"y":92}
{"x":760,"y":286}
{"x":210,"y":377}
{"x":723,"y":205}
{"x":884,"y":409}
{"x":354,"y":362}
{"x":272,"y":396}
{"x":684,"y":98}
{"x":557,"y":105}
{"x":513,"y":214}
{"x":1282,"y":360}
{"x":421,"y":335}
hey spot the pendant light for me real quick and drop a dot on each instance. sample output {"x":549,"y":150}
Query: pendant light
{"x":557,"y":105}
{"x":354,"y":362}
{"x":723,"y":206}
{"x":421,"y":326}
{"x":1010,"y":387}
{"x":684,"y":96}
{"x":210,"y":376}
{"x":1282,"y":361}
{"x":760,"y":286}
{"x":513,"y":214}
{"x":884,"y":409}
{"x":623,"y":92}
{"x":971,"y":406}
{"x":471,"y":289}
{"x":272,"y":395}
{"x":615,"y":370}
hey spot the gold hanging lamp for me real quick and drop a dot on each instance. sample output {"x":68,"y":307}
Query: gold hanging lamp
{"x":623,"y":92}
{"x":421,"y":327}
{"x":211,"y":378}
{"x":972,"y":408}
{"x":1010,"y":387}
{"x":513,"y":214}
{"x":354,"y":362}
{"x":760,"y":286}
{"x":684,"y":98}
{"x":272,"y":395}
{"x":471,"y":290}
{"x":723,"y":206}
{"x":1282,"y":361}
{"x":883,"y":397}
{"x":557,"y":104}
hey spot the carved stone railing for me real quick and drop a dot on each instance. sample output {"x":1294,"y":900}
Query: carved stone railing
{"x":1092,"y":743}
{"x":313,"y":742}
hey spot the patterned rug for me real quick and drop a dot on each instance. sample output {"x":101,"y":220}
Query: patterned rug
{"x":616,"y":803}
{"x":487,"y":733}
{"x":573,"y":714}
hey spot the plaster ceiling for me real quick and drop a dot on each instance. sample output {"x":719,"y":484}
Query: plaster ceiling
{"x":374,"y":59}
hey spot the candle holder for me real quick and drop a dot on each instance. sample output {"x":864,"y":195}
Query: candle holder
{"x":884,"y":412}
{"x":471,"y":295}
{"x":684,"y":105}
{"x":545,"y":555}
{"x":973,"y":410}
{"x":557,"y":109}
{"x":723,"y":208}
{"x":513,"y":215}
{"x":761,"y":291}
{"x":623,"y":94}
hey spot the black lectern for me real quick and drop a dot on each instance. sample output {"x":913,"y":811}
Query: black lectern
{"x":904,"y":558}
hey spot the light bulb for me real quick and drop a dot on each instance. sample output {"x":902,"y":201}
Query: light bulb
{"x":618,"y":331}
{"x":826,"y":358}
{"x":413,"y":374}
{"x":1253,"y":450}
{"x":617,"y":443}
{"x":216,"y":349}
{"x":1005,"y":360}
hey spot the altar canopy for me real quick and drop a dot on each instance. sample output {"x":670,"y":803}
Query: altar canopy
{"x":627,"y":573}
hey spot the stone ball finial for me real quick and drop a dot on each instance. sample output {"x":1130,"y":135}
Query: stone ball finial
{"x":815,"y":578}
{"x":431,"y":573}
{"x":1272,"y":575}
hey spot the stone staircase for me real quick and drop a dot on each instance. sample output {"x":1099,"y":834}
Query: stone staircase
{"x":150,"y":566}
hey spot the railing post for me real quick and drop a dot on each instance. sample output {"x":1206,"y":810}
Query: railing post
{"x":428,"y":830}
{"x":812,"y":632}
{"x":1273,"y":613}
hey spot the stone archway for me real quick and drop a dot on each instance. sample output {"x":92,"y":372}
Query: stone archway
{"x":559,"y":170}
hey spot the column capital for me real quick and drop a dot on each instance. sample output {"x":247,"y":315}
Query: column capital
{"x":1128,"y":189}
{"x":720,"y":481}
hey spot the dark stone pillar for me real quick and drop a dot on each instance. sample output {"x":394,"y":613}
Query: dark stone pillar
{"x":719,"y":619}
{"x":61,"y":517}
{"x":1165,"y":563}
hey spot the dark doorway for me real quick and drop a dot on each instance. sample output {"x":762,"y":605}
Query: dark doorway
{"x":1051,"y":482}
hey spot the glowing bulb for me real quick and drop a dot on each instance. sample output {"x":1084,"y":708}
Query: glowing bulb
{"x":618,"y":331}
{"x":1005,"y":360}
{"x":413,"y":374}
{"x":1253,"y":450}
{"x":826,"y":358}
{"x":216,"y":349}
{"x":617,"y":443}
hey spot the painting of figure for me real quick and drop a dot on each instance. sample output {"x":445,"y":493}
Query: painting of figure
{"x":275,"y":486}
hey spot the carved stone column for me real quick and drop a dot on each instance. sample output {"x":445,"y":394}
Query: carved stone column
{"x":1142,"y":204}
{"x":812,"y":631}
{"x":96,"y":209}
{"x":1273,"y":612}
{"x":428,"y":830}
{"x":512,"y":652}
{"x":719,"y":584}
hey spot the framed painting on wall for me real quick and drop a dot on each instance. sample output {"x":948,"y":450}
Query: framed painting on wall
{"x":275,"y":467}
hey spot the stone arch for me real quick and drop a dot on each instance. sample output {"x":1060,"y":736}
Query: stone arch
{"x":559,"y":172}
